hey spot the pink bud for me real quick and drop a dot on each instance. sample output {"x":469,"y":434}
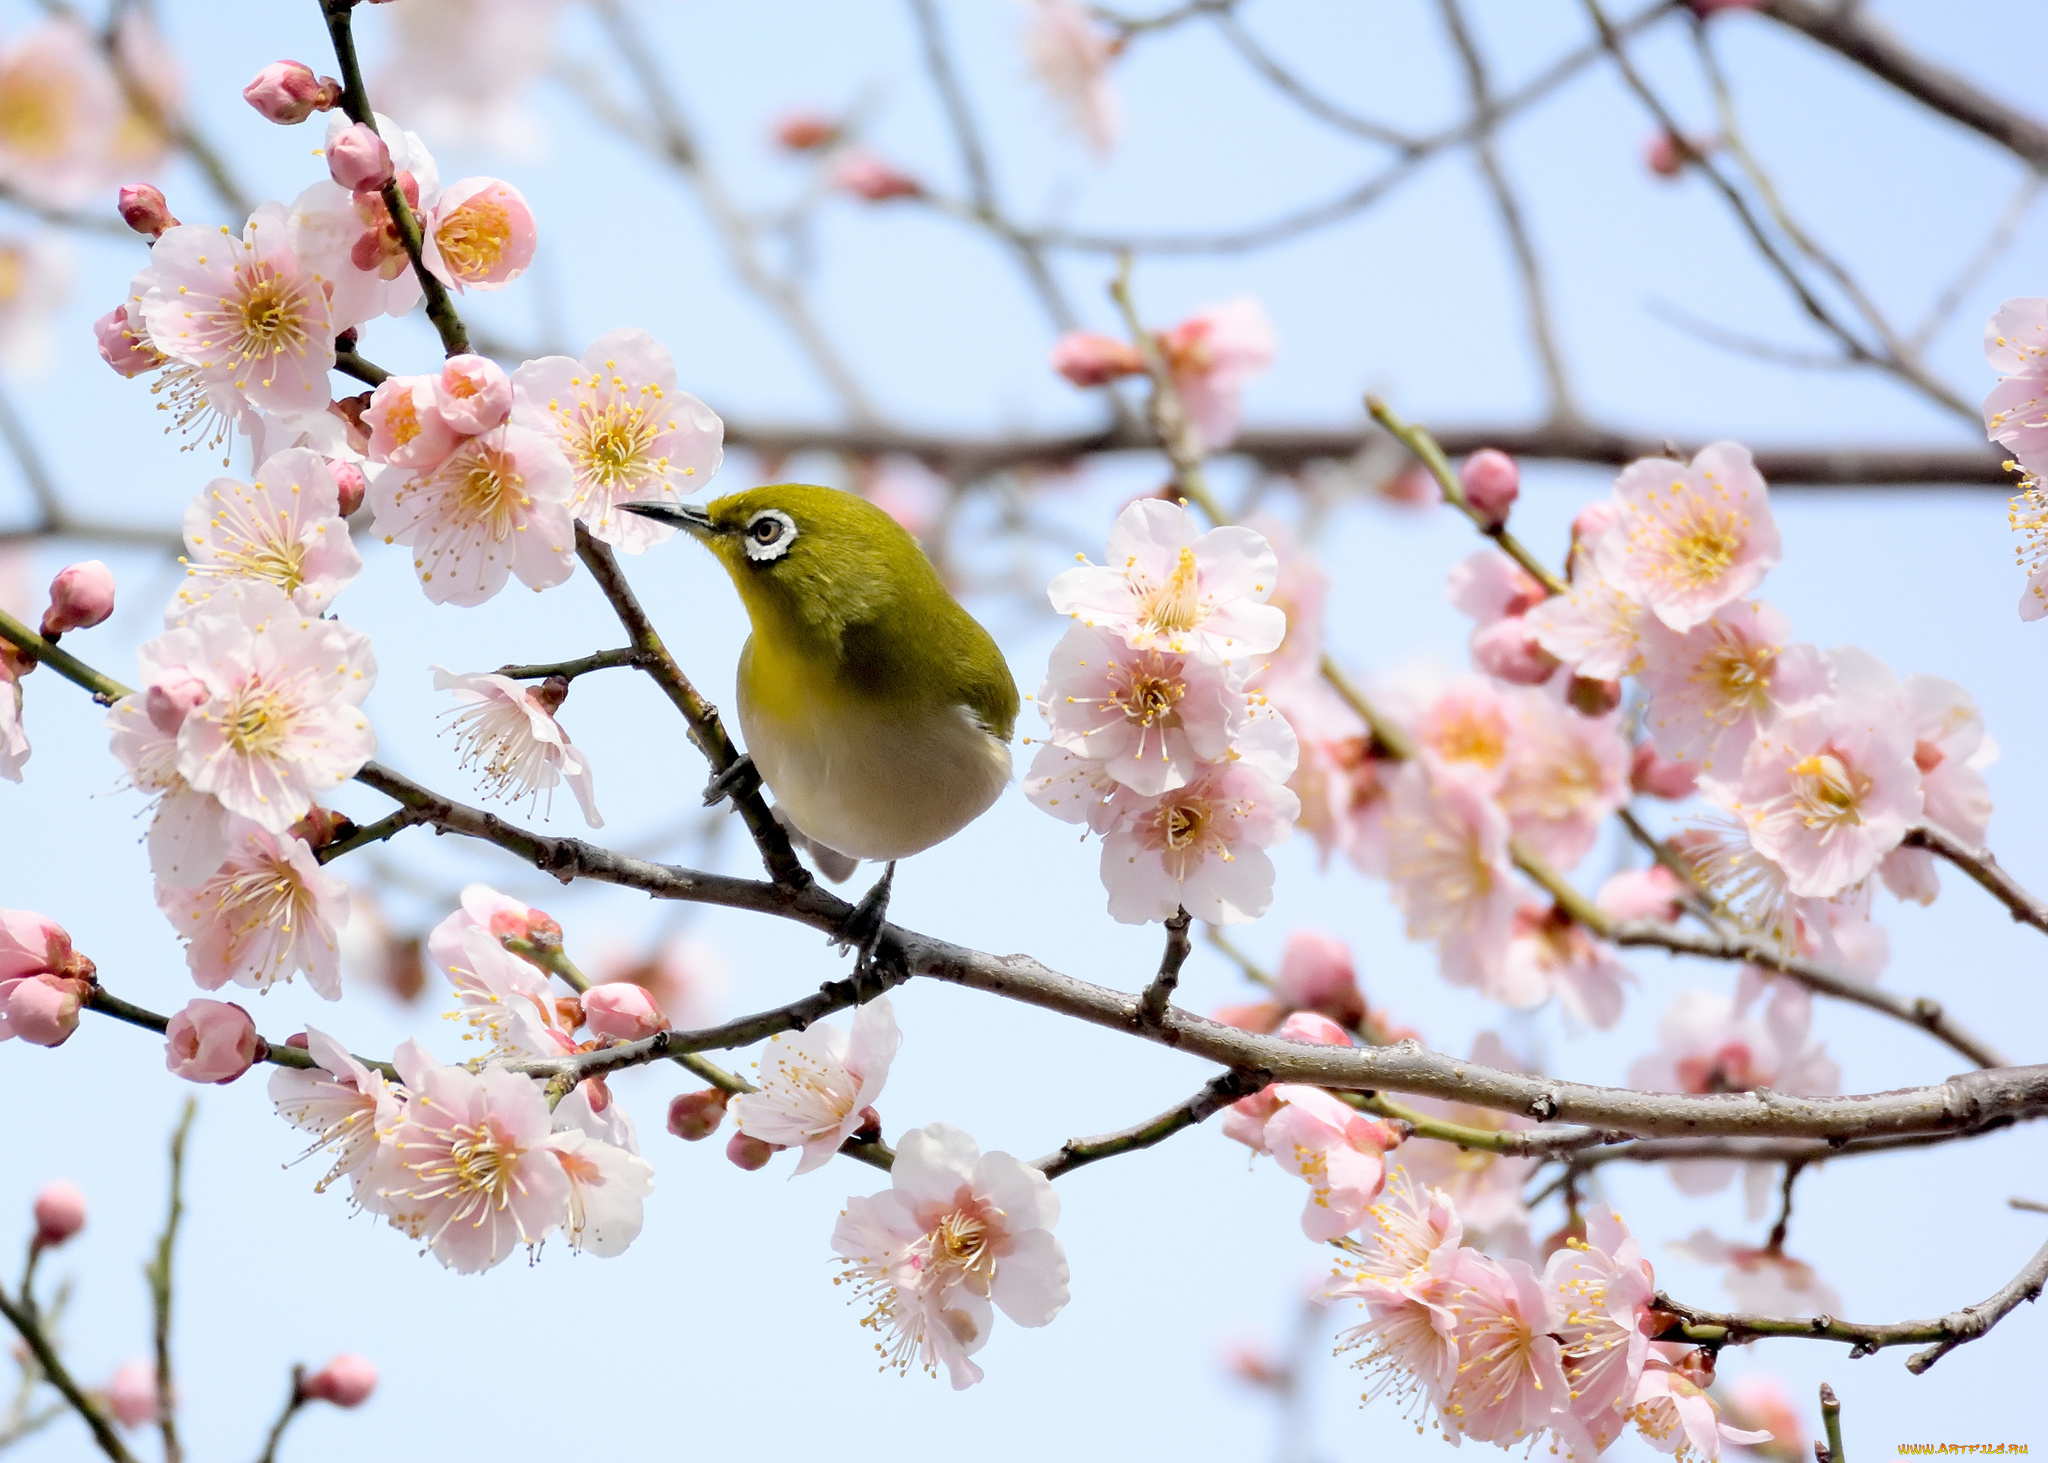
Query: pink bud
{"x":346,"y":1381}
{"x":1633,"y":894}
{"x":349,"y":481}
{"x":121,"y":344}
{"x":1260,"y":1016}
{"x":1661,"y":779}
{"x":864,"y":175}
{"x":1414,"y":486}
{"x":131,"y":1393}
{"x":623,"y":1011}
{"x":43,"y":1009}
{"x":805,"y":131}
{"x":695,"y":1116}
{"x":749,"y":1153}
{"x":81,"y":596}
{"x":1593,"y":698}
{"x":1492,"y":483}
{"x":35,"y":944}
{"x":1661,"y":156}
{"x":1507,"y":651}
{"x":60,"y":1213}
{"x":169,"y":701}
{"x":285,"y":92}
{"x":1307,"y":1026}
{"x":210,"y":1041}
{"x":475,"y":394}
{"x":1316,"y":974}
{"x":358,"y":158}
{"x":145,"y":209}
{"x":1095,"y":360}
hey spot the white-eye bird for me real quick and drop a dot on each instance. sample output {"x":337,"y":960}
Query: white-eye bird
{"x":874,"y":707}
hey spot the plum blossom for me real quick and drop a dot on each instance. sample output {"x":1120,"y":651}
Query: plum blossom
{"x":1510,"y":1383}
{"x":346,"y":1381}
{"x":1651,"y":893}
{"x":245,"y":313}
{"x":211,"y":1041}
{"x":1211,"y":355}
{"x":285,"y":527}
{"x":619,"y":1010}
{"x":1467,"y":729}
{"x":131,"y":1394}
{"x":1564,"y":774}
{"x":1151,"y":718}
{"x":350,"y":238}
{"x":1168,"y":586}
{"x":505,"y":1000}
{"x":1675,"y":1416}
{"x":1070,"y":52}
{"x":2016,"y":411}
{"x":1337,"y":1150}
{"x":1201,"y":846}
{"x":62,"y":106}
{"x":461,"y":67}
{"x":815,"y":1084}
{"x":1485,"y":1187}
{"x":480,"y":235}
{"x":1951,"y":750}
{"x":607,"y":1177}
{"x":405,"y":423}
{"x":59,"y":1211}
{"x":957,"y":1230}
{"x":498,"y":506}
{"x":1246,"y":1120}
{"x":1316,"y":974}
{"x":1604,"y":1286}
{"x":344,"y":1104}
{"x":1690,"y":538}
{"x":1551,"y":954}
{"x":1087,"y":359}
{"x":1596,"y":627}
{"x":508,"y":733}
{"x":1715,"y":686}
{"x":1339,"y":781}
{"x":1406,"y":1346}
{"x":267,"y":913}
{"x":1447,"y":860}
{"x":630,"y":434}
{"x":1767,"y":1280}
{"x":81,"y":596}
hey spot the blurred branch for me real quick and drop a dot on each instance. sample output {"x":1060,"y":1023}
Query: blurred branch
{"x":28,"y":1325}
{"x":1979,"y":265}
{"x":1982,"y":866}
{"x":1290,"y":86}
{"x":293,"y":1402}
{"x":159,"y":1274}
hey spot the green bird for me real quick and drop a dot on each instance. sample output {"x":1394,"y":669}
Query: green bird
{"x":874,"y":707}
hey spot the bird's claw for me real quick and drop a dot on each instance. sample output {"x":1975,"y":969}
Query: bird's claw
{"x":861,"y":932}
{"x":736,"y":782}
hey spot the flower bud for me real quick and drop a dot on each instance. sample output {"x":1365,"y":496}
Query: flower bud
{"x":169,"y":701}
{"x":695,"y":1116}
{"x":60,"y":1213}
{"x":43,"y":1009}
{"x":358,"y":158}
{"x":622,"y":1011}
{"x":286,"y":92}
{"x":1095,"y":360}
{"x":864,"y":175}
{"x":121,"y":344}
{"x":145,"y":209}
{"x":131,"y":1394}
{"x":81,"y":596}
{"x":1316,"y":974}
{"x":406,"y":426}
{"x":211,"y":1041}
{"x":1492,"y":482}
{"x":475,"y":394}
{"x":346,"y":1381}
{"x":1593,"y":698}
{"x":350,"y":483}
{"x":1635,"y":894}
{"x":804,"y":131}
{"x":1259,"y":1016}
{"x":749,"y":1153}
{"x":1312,"y":1029}
{"x":1507,"y":651}
{"x":1414,"y":486}
{"x":1651,"y":774}
{"x":320,"y":827}
{"x":1661,"y":156}
{"x":1697,"y":1367}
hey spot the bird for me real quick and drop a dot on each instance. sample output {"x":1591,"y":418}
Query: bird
{"x":876,"y":709}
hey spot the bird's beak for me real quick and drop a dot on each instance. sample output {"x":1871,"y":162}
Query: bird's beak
{"x":686,"y":516}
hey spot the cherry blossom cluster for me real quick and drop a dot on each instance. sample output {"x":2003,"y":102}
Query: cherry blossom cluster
{"x":1159,"y":739}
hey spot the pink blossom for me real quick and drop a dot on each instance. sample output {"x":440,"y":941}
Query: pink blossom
{"x":1510,"y":1382}
{"x":1706,"y":1045}
{"x":957,"y":1230}
{"x":1485,"y":1187}
{"x":358,"y":158}
{"x":1340,"y":783}
{"x":1715,"y":686}
{"x":507,"y":732}
{"x":1675,"y":1416}
{"x":1690,"y":539}
{"x":346,"y":1381}
{"x":268,"y":912}
{"x":144,"y":208}
{"x":622,"y":1011}
{"x":286,"y":527}
{"x":35,"y":278}
{"x":504,"y":999}
{"x":1336,"y":1149}
{"x":2016,"y":411}
{"x":1095,"y":360}
{"x":33,"y":944}
{"x":1316,"y":974}
{"x":816,"y":1083}
{"x":350,"y":236}
{"x":1565,"y":773}
{"x":1596,"y":628}
{"x":406,"y":425}
{"x":131,"y":1394}
{"x":1200,"y":847}
{"x":748,"y":1155}
{"x":1073,"y":789}
{"x":1604,"y":1287}
{"x":857,"y":171}
{"x":245,"y":313}
{"x":1760,"y":1403}
{"x":123,"y":346}
{"x":1766,"y":1280}
{"x":59,"y":1213}
{"x":498,"y":506}
{"x":1491,"y":482}
{"x":1447,"y":860}
{"x":1212,"y":354}
{"x":141,"y":143}
{"x":1951,"y":750}
{"x":805,"y":130}
{"x":211,"y":1041}
{"x":1300,"y":592}
{"x":469,"y":1169}
{"x":344,"y":1105}
{"x":1070,"y":52}
{"x":463,"y":70}
{"x":474,"y":394}
{"x":1652,"y":776}
{"x":42,"y":1009}
{"x":1550,"y":954}
{"x":81,"y":596}
{"x":1508,"y":651}
{"x":287,"y":92}
{"x":608,"y":1179}
{"x":1490,"y":587}
{"x":1168,"y":586}
{"x":1634,"y":894}
{"x":481,"y":235}
{"x":62,"y":107}
{"x":1827,"y":792}
{"x":188,"y":834}
{"x":504,"y":918}
{"x":630,"y":434}
{"x":1151,"y":718}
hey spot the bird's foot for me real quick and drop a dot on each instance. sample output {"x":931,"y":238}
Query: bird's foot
{"x":738,"y":780}
{"x":862,"y":930}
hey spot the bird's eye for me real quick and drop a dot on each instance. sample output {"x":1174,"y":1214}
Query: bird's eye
{"x":765,"y":531}
{"x":769,"y":534}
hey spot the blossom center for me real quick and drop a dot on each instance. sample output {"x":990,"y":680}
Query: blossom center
{"x":32,"y":116}
{"x":258,"y":720}
{"x":1175,"y":606}
{"x":1741,"y":674}
{"x":1182,"y":824}
{"x":1706,"y":546}
{"x":475,"y":237}
{"x":612,"y":445}
{"x":1471,"y":736}
{"x":267,"y":313}
{"x":1827,"y":792}
{"x":488,"y":492}
{"x":1145,"y":699}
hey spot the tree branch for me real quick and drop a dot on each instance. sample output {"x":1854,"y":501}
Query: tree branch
{"x":1158,"y":995}
{"x":294,"y":1400}
{"x":1219,"y":1092}
{"x":159,"y":1274}
{"x":1981,"y":866}
{"x":24,"y":1322}
{"x":569,"y":670}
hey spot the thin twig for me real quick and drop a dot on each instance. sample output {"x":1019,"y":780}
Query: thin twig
{"x":1831,"y":1423}
{"x":1220,"y":1091}
{"x":385,"y":827}
{"x":53,"y":1368}
{"x":569,"y":670}
{"x":1982,"y":866}
{"x":159,"y":1275}
{"x":294,"y":1400}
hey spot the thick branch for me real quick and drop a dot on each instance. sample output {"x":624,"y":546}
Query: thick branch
{"x":1981,"y":866}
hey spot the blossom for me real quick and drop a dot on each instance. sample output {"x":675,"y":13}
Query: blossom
{"x":358,"y":158}
{"x":1071,"y":52}
{"x":1338,"y":1150}
{"x":1246,"y":1120}
{"x":125,"y":346}
{"x":287,"y":93}
{"x":62,"y":105}
{"x":1766,"y":1280}
{"x":1447,"y":860}
{"x":350,"y":237}
{"x":14,"y":744}
{"x":406,"y":425}
{"x":857,"y":171}
{"x":1715,"y":686}
{"x":1201,"y":846}
{"x":1467,"y":729}
{"x":1492,"y":482}
{"x":1087,"y":359}
{"x":1690,"y":538}
{"x":2016,"y":411}
{"x":1169,"y":587}
{"x":956,"y":1231}
{"x":498,"y":506}
{"x":35,"y":275}
{"x":81,"y":596}
{"x":1634,"y":894}
{"x":504,"y":999}
{"x":607,"y":1178}
{"x":508,"y":733}
{"x":695,"y":1116}
{"x":344,"y":1104}
{"x":144,"y":208}
{"x":473,"y":395}
{"x":1596,"y":628}
{"x":1151,"y":718}
{"x":188,"y":834}
{"x":268,"y":912}
{"x":815,"y":1084}
{"x":1406,"y":1346}
{"x":1211,"y":355}
{"x":469,"y":1168}
{"x":59,"y":1213}
{"x":1827,"y":791}
{"x":246,"y":313}
{"x":286,"y":527}
{"x":1551,"y":954}
{"x":481,"y":235}
{"x":1951,"y":750}
{"x":619,"y":1010}
{"x":1760,"y":1401}
{"x":630,"y":434}
{"x":1510,"y":1382}
{"x":1675,"y":1416}
{"x":1486,"y":1187}
{"x":42,"y":1009}
{"x":1316,"y":974}
{"x":1564,"y":774}
{"x":461,"y":67}
{"x":132,"y":1395}
{"x":1604,"y":1287}
{"x":211,"y":1041}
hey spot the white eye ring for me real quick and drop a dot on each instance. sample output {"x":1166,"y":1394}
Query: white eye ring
{"x":769,"y":534}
